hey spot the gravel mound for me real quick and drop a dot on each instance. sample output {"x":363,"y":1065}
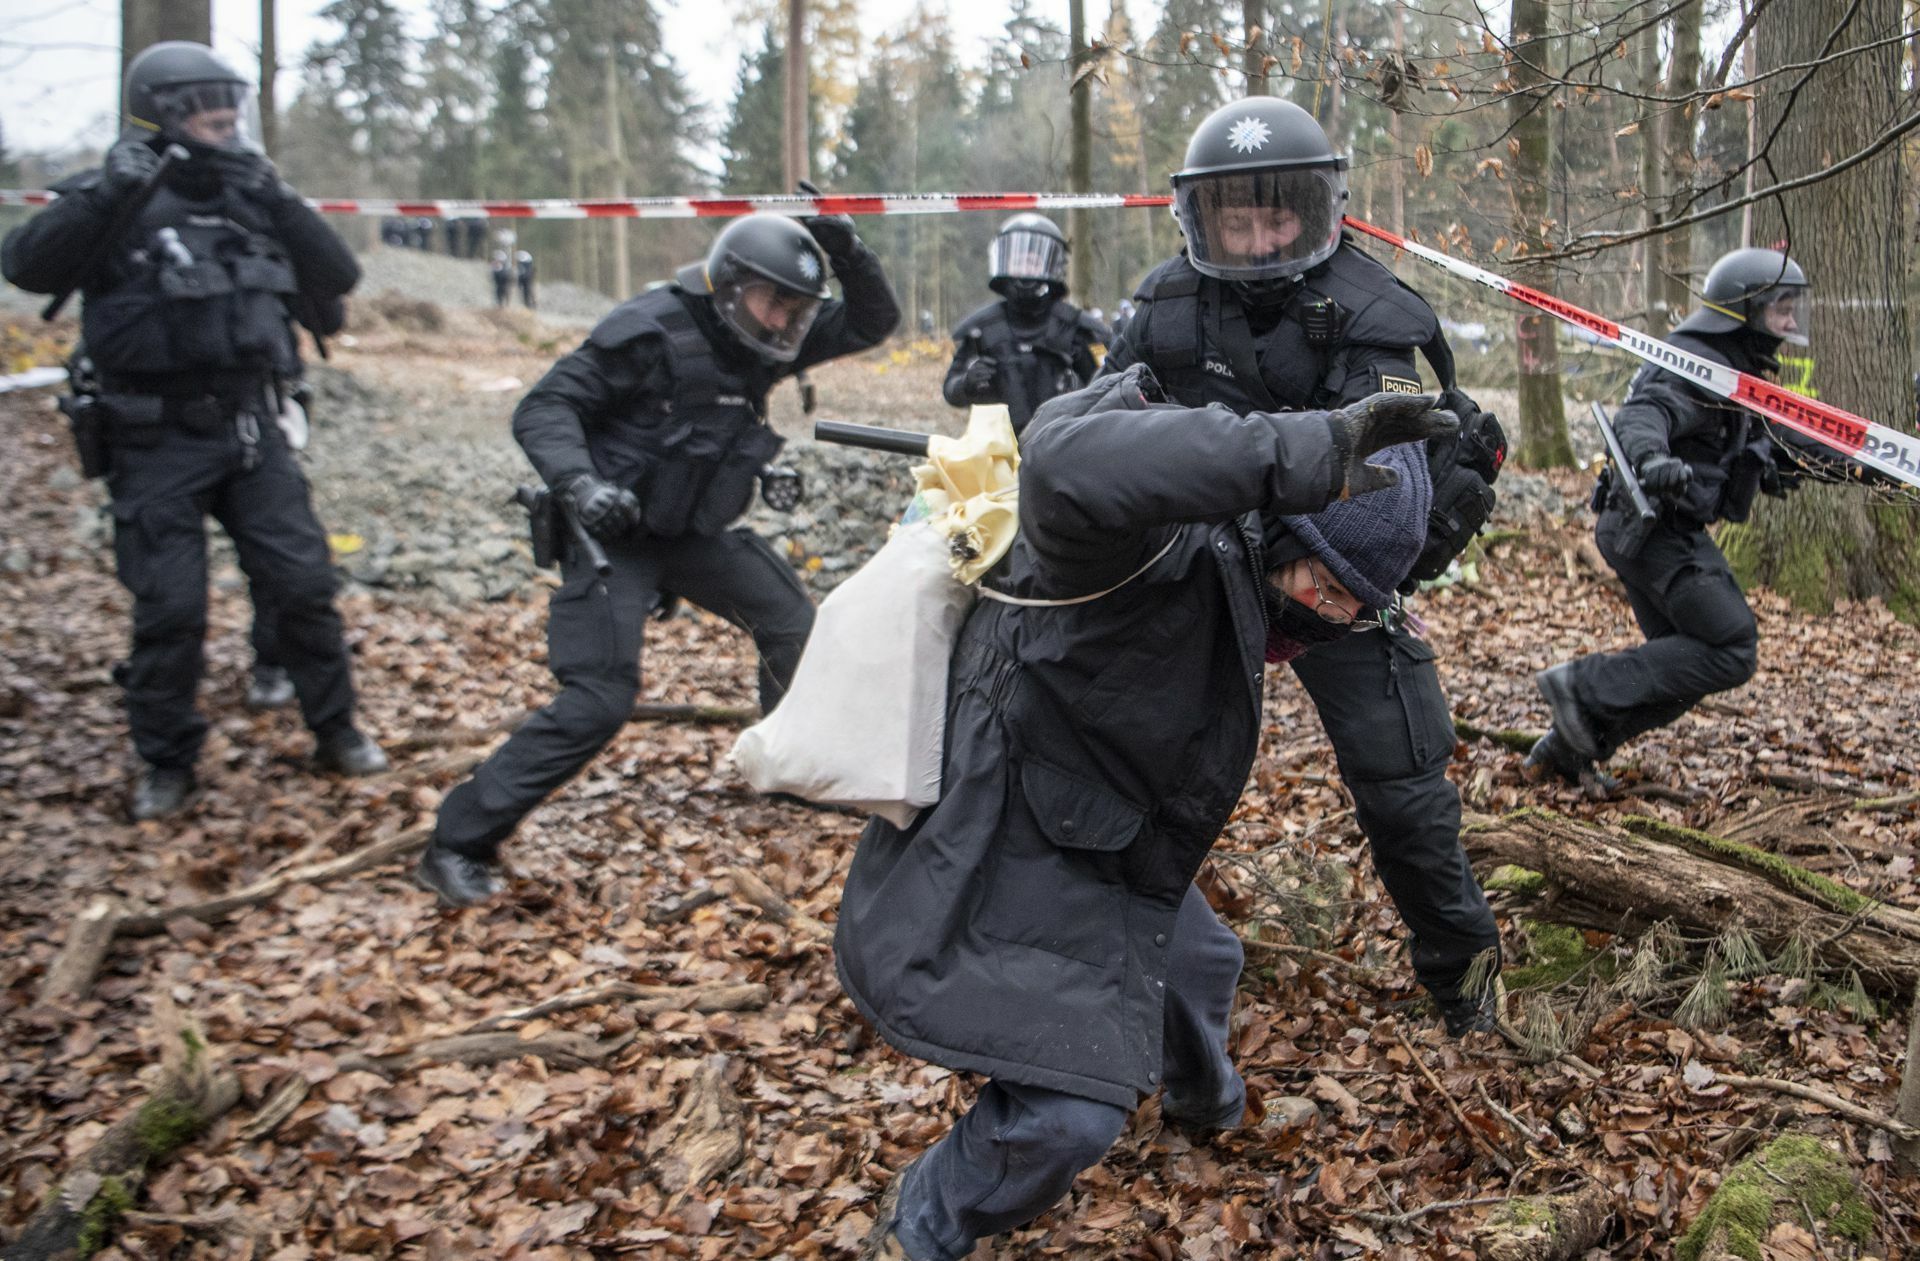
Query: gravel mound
{"x":464,"y":282}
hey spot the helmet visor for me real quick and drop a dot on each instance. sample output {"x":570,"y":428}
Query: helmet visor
{"x":770,"y":318}
{"x":221,"y":114}
{"x":1261,"y":225}
{"x":1781,"y":312}
{"x":1023,"y":255}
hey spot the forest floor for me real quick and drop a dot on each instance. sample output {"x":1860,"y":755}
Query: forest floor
{"x":581,"y":1145}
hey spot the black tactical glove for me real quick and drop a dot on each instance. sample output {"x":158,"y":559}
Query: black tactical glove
{"x":1665,"y":476}
{"x":250,"y":173}
{"x":833,"y":233}
{"x":129,"y":164}
{"x":605,"y":511}
{"x":1381,"y":421}
{"x":982,"y":374}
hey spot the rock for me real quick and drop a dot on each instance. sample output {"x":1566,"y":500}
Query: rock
{"x":1290,"y":1112}
{"x":16,"y":560}
{"x":460,"y":585}
{"x":63,"y":478}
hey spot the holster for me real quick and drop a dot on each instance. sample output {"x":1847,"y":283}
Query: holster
{"x":543,"y":524}
{"x":88,"y":427}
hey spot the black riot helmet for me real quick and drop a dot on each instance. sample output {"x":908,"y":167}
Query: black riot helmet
{"x":768,"y":279}
{"x":1028,"y":258}
{"x":1261,"y":196}
{"x":182,"y":91}
{"x":1762,"y":290}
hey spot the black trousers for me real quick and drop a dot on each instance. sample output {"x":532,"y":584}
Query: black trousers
{"x":1380,"y":701}
{"x":594,"y":632}
{"x":1701,"y":635}
{"x":162,"y":495}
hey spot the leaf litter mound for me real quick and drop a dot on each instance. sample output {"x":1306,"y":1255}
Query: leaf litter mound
{"x":642,"y":1051}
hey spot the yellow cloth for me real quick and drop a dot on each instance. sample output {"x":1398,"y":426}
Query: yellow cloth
{"x":969,"y":487}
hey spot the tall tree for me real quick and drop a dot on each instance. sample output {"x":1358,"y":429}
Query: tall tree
{"x":368,"y":70}
{"x":1543,"y":419}
{"x":147,"y":22}
{"x":799,"y":163}
{"x":1850,"y":232}
{"x":1080,"y":146}
{"x":753,"y":143}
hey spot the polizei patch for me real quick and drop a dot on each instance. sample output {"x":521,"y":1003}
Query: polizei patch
{"x":1400,"y":385}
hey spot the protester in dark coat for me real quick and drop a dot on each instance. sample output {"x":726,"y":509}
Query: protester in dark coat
{"x":1039,"y":923}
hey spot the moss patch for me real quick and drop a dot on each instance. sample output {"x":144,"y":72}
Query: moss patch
{"x":163,"y":1124}
{"x":1829,"y":893}
{"x":1555,"y":952}
{"x":97,"y":1219}
{"x":1509,"y":878}
{"x":1795,"y":1174}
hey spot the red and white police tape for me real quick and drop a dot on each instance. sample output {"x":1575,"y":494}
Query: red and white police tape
{"x":1887,"y":450}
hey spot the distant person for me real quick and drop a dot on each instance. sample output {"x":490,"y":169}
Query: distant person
{"x":651,"y":435}
{"x":926,"y":322}
{"x":523,"y":273}
{"x":423,"y":233}
{"x":476,"y":237}
{"x":456,"y":232}
{"x":502,"y":278}
{"x":189,"y":321}
{"x":1032,"y":343}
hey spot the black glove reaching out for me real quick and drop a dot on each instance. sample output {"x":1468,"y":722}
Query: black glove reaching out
{"x":129,"y":164}
{"x":1381,"y":421}
{"x":1665,"y":476}
{"x":604,"y":510}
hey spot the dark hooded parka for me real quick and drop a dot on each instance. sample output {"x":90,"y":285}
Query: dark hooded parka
{"x":1094,"y":750}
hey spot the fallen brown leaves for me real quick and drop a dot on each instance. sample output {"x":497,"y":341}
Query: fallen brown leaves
{"x":605,"y":1120}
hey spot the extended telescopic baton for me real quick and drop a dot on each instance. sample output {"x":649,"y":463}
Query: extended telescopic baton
{"x":122,"y":220}
{"x":873,"y":437}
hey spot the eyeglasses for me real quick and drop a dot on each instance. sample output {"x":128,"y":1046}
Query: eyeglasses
{"x":1327,"y":611}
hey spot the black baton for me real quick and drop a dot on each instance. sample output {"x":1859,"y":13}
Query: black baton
{"x":873,"y":437}
{"x":1621,"y":469}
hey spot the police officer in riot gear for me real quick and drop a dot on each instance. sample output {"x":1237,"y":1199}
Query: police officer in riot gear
{"x":653,"y":434}
{"x":1031,"y":344}
{"x":189,"y":321}
{"x":1271,"y":308}
{"x":1701,"y":459}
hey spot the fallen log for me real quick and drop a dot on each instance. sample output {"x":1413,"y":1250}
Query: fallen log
{"x":1622,"y":880}
{"x":645,"y":711}
{"x":192,"y":1093}
{"x":557,"y":1047}
{"x":82,"y":954}
{"x":641,"y":1000}
{"x":1544,"y":1227}
{"x":705,"y":1136}
{"x":1787,"y":1197}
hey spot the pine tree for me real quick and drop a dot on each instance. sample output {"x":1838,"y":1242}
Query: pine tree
{"x":750,"y":145}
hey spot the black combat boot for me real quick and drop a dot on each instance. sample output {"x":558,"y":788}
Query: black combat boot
{"x":163,"y":791}
{"x":1569,"y":719}
{"x":347,"y":751}
{"x":1551,"y":758}
{"x":270,"y":688}
{"x":458,"y":879}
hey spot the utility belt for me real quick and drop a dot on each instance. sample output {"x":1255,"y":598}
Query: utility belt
{"x":111,"y":420}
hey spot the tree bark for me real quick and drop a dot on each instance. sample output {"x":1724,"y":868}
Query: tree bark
{"x":798,"y":160}
{"x":1545,"y":1227}
{"x":1850,"y":233}
{"x":1683,"y":76}
{"x":1080,"y":155}
{"x":1615,"y":880}
{"x":144,"y":23}
{"x":1543,"y":418}
{"x":1253,"y":18}
{"x":269,"y":69}
{"x":1907,"y":1104}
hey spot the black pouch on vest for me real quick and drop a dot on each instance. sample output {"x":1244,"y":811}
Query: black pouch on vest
{"x":89,"y":432}
{"x":199,"y":313}
{"x":134,"y":420}
{"x":730,"y":489}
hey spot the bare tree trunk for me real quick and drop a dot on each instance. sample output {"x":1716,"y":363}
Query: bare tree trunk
{"x":1393,"y":129}
{"x":269,"y":67}
{"x":798,"y":163}
{"x":1253,"y":19}
{"x":1543,"y":418}
{"x":1907,"y":1105}
{"x":1683,"y":76}
{"x":1850,"y":233}
{"x":1080,"y":154}
{"x":1653,"y":183}
{"x":146,"y":22}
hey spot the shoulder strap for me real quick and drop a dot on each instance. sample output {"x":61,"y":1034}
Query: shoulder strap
{"x":1236,"y":342}
{"x":1168,"y":326}
{"x":1028,"y":602}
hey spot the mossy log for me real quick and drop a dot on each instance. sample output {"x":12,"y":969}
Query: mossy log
{"x":1616,"y":879}
{"x":1545,"y":1227}
{"x":1795,"y":1186}
{"x":78,"y":1218}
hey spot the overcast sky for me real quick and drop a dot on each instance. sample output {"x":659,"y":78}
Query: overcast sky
{"x":60,"y":59}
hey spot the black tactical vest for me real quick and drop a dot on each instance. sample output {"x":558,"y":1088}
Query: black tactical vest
{"x":213,"y":297}
{"x":1729,"y":455}
{"x":694,"y":456}
{"x":1034,"y":365}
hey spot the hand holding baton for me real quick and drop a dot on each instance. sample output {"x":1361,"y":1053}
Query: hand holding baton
{"x":1643,"y":517}
{"x":122,"y":220}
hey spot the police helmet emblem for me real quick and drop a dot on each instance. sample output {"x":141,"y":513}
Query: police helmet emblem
{"x":1248,"y":134}
{"x":809,"y":265}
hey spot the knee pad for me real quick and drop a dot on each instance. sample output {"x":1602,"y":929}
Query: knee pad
{"x":605,"y":705}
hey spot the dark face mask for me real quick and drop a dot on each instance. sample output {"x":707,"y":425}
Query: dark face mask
{"x":1293,"y":628}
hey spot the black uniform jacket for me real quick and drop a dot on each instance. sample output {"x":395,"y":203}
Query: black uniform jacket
{"x":615,"y":381}
{"x":1731,"y":450}
{"x":1093,"y":751}
{"x":1053,"y":355}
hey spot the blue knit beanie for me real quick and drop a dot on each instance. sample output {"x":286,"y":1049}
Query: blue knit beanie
{"x":1371,"y":541}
